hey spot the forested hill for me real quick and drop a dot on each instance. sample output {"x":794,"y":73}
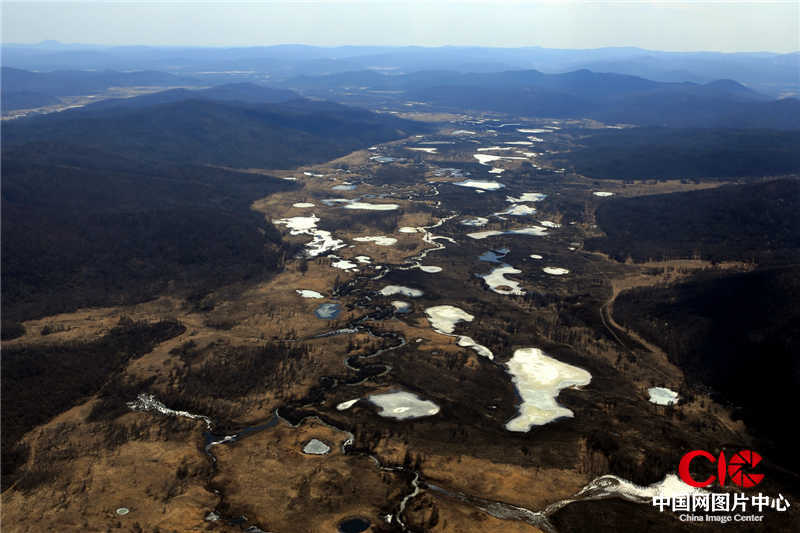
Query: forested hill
{"x":101,"y":207}
{"x":235,"y":134}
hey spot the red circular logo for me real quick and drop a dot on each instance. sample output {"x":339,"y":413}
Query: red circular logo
{"x":740,"y":466}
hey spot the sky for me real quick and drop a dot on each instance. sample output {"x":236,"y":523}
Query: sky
{"x":727,"y":26}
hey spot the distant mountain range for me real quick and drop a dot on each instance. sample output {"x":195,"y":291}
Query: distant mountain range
{"x":770,"y":73}
{"x":607,"y":97}
{"x":22,"y":89}
{"x":582,"y":93}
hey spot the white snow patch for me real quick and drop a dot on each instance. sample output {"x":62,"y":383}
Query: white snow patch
{"x":519,"y":143}
{"x":535,"y":256}
{"x":467,"y":342}
{"x":603,"y":194}
{"x":147,"y":402}
{"x":492,"y":148}
{"x":426,"y":150}
{"x":549,"y":224}
{"x":363,"y":259}
{"x":517,"y":210}
{"x":477,"y":221}
{"x":497,"y":171}
{"x":380,"y":240}
{"x":463,"y":132}
{"x":555,"y":271}
{"x":305,"y":293}
{"x":408,"y":229}
{"x":534,"y":130}
{"x":322,"y":241}
{"x":430,"y":269}
{"x":303,"y":204}
{"x":485,"y":159}
{"x":344,"y":264}
{"x":610,"y":486}
{"x":539,"y":379}
{"x":527,"y":197}
{"x":347,"y":405}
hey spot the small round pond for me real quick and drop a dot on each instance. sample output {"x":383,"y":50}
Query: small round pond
{"x":353,"y":525}
{"x":328,"y":311}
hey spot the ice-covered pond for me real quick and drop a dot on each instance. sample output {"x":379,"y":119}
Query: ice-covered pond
{"x":443,"y":319}
{"x":494,"y":256}
{"x":662,"y":396}
{"x":371,"y":207}
{"x":533,"y":230}
{"x":403,"y":405}
{"x":401,"y":306}
{"x":481,"y":184}
{"x":391,"y":290}
{"x":527,"y":197}
{"x":498,"y":283}
{"x":539,"y":379}
{"x":328,"y":311}
{"x":475,"y":222}
{"x":316,"y":447}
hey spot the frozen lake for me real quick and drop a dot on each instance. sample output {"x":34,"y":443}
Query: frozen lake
{"x":498,"y":283}
{"x":539,"y":379}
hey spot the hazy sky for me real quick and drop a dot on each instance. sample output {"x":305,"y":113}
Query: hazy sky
{"x":663,"y":25}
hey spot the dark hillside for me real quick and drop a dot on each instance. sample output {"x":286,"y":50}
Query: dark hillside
{"x":737,"y":222}
{"x":210,"y":132}
{"x":111,"y":231}
{"x":737,"y":334}
{"x":664,"y":153}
